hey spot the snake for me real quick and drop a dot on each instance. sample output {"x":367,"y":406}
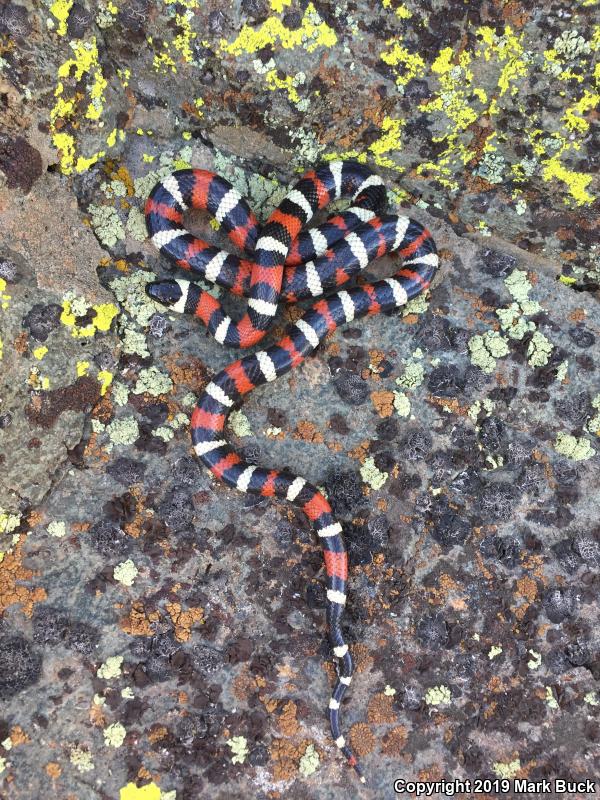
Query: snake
{"x":285,"y":261}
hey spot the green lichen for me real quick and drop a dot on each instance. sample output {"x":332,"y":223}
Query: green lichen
{"x":506,"y":771}
{"x":491,"y":167}
{"x":371,"y":475}
{"x":152,"y":381}
{"x":309,"y":763}
{"x":418,"y":305}
{"x":120,"y":393}
{"x":240,"y":424}
{"x":535,"y":660}
{"x":126,"y":572}
{"x":519,"y":286}
{"x":81,"y":759}
{"x":593,"y":425}
{"x":512,"y":321}
{"x":562,"y":370}
{"x":114,"y":735}
{"x":129,"y":291}
{"x":57,"y":528}
{"x":136,"y":225}
{"x":107,"y":224}
{"x":495,"y":650}
{"x":111,"y":668}
{"x":412,"y":377}
{"x":8,"y":521}
{"x":239,"y":749}
{"x":539,"y":349}
{"x":438,"y":695}
{"x":164,"y":432}
{"x":402,"y":404}
{"x":134,"y":341}
{"x":389,"y":691}
{"x":550,"y":699}
{"x":123,"y":431}
{"x":577,"y":449}
{"x":188,"y":400}
{"x":486,"y":348}
{"x":591,"y":699}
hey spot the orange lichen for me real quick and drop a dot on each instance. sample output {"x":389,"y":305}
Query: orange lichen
{"x":13,"y":573}
{"x":308,"y":432}
{"x":383,"y":402}
{"x":157,"y":733}
{"x":286,"y":756}
{"x":362,"y":739}
{"x":288,"y":724}
{"x":394,"y":742}
{"x":18,"y":736}
{"x":139,"y":622}
{"x":183,"y":620}
{"x":380,"y":709}
{"x":53,"y":770}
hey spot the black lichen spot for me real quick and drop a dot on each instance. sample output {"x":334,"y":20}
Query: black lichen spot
{"x":159,"y":325}
{"x":560,"y":603}
{"x":251,"y":452}
{"x":20,"y":665}
{"x":432,"y":632}
{"x":497,"y":264}
{"x":79,"y":21}
{"x":351,"y":387}
{"x":492,"y":433}
{"x":498,"y":501}
{"x":364,"y":541}
{"x":581,"y":336}
{"x":505,"y":549}
{"x":345,"y":492}
{"x":121,"y":509}
{"x":575,"y":406}
{"x":9,"y":271}
{"x":449,"y":528}
{"x":42,"y":320}
{"x":446,"y":381}
{"x":14,"y":20}
{"x":417,"y":445}
{"x":109,"y":539}
{"x":126,"y":471}
{"x":20,"y":162}
{"x":176,"y":509}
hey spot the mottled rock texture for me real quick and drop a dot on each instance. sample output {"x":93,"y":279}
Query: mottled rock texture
{"x":162,"y":636}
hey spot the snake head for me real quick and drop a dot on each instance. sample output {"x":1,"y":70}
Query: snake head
{"x":167,"y":292}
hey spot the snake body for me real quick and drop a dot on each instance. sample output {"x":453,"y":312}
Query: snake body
{"x":285,"y":260}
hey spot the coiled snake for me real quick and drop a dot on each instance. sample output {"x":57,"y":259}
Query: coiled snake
{"x":285,"y":261}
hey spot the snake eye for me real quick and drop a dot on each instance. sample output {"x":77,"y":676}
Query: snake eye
{"x":167,"y":292}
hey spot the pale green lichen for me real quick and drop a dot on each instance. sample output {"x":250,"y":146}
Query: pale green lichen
{"x":371,"y":475}
{"x":8,"y":521}
{"x":114,"y":735}
{"x":539,"y":350}
{"x":486,"y":348}
{"x":519,"y":286}
{"x":562,"y":370}
{"x":134,"y":341}
{"x":412,"y":377}
{"x":240,"y":424}
{"x":130,"y":292}
{"x":535,"y":660}
{"x":107,"y":224}
{"x":506,"y":771}
{"x":188,"y":400}
{"x":122,"y":431}
{"x":578,"y":449}
{"x":495,"y":650}
{"x":127,"y":693}
{"x":486,"y":404}
{"x":512,"y":321}
{"x":164,"y":432}
{"x":125,"y":572}
{"x":111,"y":668}
{"x":491,"y":167}
{"x":401,"y":404}
{"x":309,"y":763}
{"x":550,"y":699}
{"x":136,"y":225}
{"x":152,"y":381}
{"x":591,"y":699}
{"x":239,"y":749}
{"x":593,"y":425}
{"x":389,"y":691}
{"x":81,"y":759}
{"x":57,"y":528}
{"x":120,"y":393}
{"x":438,"y":695}
{"x":418,"y":305}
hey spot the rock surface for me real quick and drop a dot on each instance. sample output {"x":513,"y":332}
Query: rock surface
{"x":162,"y":636}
